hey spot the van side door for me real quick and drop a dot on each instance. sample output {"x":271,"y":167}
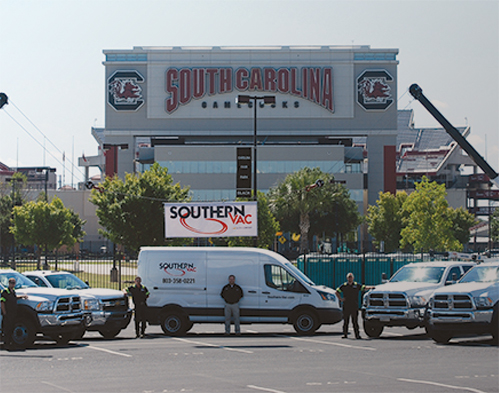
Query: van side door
{"x":245,"y":268}
{"x":280,"y":293}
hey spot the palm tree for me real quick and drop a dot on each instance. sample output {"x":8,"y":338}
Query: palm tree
{"x":299,"y":195}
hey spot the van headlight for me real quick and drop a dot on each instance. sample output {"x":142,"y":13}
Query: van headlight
{"x":91,"y":305}
{"x":483,"y":302}
{"x":45,"y":306}
{"x":417,"y":301}
{"x":327,"y":296}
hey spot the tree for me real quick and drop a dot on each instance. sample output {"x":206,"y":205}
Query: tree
{"x":12,"y":193}
{"x":385,"y":220}
{"x":298,"y":205}
{"x":494,"y":224}
{"x":46,"y":225}
{"x":462,"y":221}
{"x":267,"y":226}
{"x":131,"y":211}
{"x":429,"y":224}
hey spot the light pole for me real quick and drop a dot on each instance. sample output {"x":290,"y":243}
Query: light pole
{"x":267,"y":100}
{"x":46,"y":171}
{"x":114,"y":149}
{"x":245,"y":99}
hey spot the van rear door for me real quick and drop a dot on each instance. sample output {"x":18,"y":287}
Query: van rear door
{"x":174,"y":276}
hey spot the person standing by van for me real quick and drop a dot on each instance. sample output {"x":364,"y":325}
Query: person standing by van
{"x":139,"y":294}
{"x":350,"y":292}
{"x":232,"y":293}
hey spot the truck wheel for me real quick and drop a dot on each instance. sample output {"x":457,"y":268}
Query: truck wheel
{"x":305,"y":323}
{"x":109,"y":333}
{"x":173,"y":323}
{"x":373,"y":329}
{"x":63,"y":338}
{"x":440,"y":337}
{"x":495,"y":324}
{"x":23,"y":334}
{"x":78,"y":335}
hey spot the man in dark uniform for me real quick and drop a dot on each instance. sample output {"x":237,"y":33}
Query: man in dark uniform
{"x":350,"y":292}
{"x":8,"y":302}
{"x":232,"y":293}
{"x":139,"y":294}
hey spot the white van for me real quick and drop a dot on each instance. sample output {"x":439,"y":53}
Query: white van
{"x":185,"y":285}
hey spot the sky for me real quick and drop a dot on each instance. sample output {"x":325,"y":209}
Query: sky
{"x":51,"y":59}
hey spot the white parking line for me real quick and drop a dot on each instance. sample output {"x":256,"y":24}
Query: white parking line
{"x":264,"y":389}
{"x":441,"y":384}
{"x":109,"y":351}
{"x":211,"y":345}
{"x":56,"y":386}
{"x":328,"y":343}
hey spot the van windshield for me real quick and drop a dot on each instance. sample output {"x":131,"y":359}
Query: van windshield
{"x":298,"y":273}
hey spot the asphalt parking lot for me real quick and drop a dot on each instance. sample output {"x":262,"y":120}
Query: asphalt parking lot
{"x":265,"y":358}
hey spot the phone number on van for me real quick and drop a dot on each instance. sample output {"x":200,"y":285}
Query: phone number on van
{"x":179,"y":280}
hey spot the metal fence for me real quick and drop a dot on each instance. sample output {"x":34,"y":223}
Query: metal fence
{"x":331,"y":270}
{"x":99,"y":271}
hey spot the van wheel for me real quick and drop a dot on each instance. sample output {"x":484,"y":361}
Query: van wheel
{"x":305,"y":323}
{"x":174,"y":324}
{"x":23,"y":334}
{"x":373,"y":329}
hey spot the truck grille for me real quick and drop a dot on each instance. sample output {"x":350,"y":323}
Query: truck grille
{"x":68,"y":304}
{"x":118,"y":304}
{"x":395,"y":300}
{"x":452,"y":302}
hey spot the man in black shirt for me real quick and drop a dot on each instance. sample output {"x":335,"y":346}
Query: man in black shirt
{"x":232,"y":293}
{"x":139,"y":294}
{"x":8,"y":302}
{"x":350,"y":292}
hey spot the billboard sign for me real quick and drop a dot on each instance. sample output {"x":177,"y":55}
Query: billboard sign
{"x":211,"y":219}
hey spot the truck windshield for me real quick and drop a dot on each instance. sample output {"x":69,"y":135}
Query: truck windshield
{"x":66,"y":281}
{"x":21,"y":281}
{"x":482,"y":274}
{"x":428,"y":274}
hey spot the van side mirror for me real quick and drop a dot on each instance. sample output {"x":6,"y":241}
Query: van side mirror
{"x":384,"y":277}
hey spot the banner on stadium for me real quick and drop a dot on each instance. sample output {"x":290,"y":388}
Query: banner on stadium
{"x":211,"y":219}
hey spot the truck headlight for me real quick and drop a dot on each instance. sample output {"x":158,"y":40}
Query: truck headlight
{"x":417,"y":301}
{"x":327,"y":296}
{"x":45,"y":306}
{"x":91,"y":305}
{"x":483,"y":302}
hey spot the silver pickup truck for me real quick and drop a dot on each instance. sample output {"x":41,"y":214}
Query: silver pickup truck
{"x":106,"y":310}
{"x":403,"y":300}
{"x":46,"y":313}
{"x":469,"y":307}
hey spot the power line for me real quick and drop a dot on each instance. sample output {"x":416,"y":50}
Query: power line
{"x":46,"y":138}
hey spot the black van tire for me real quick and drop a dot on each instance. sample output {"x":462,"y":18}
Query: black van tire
{"x":373,"y":329}
{"x":174,"y":323}
{"x":305,"y":322}
{"x":63,"y":338}
{"x":23,"y":334}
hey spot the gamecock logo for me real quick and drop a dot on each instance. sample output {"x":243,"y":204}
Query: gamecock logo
{"x":124,"y":91}
{"x":373,"y":90}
